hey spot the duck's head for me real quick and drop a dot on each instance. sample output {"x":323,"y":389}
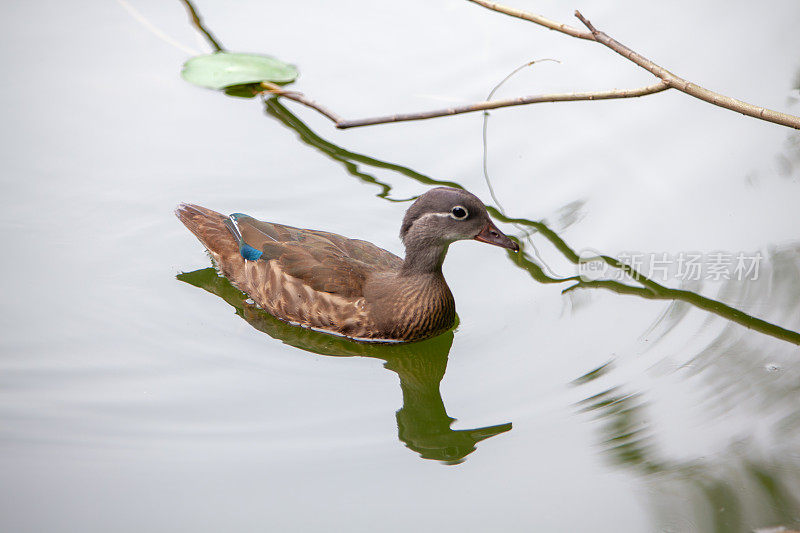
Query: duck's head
{"x":444,"y":215}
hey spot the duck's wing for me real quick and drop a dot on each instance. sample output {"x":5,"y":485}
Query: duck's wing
{"x":324,"y":261}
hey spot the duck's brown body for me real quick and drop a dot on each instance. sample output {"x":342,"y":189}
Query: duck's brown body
{"x":325,"y":281}
{"x":345,"y":286}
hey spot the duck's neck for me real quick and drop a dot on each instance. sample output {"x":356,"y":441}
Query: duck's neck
{"x":423,"y":258}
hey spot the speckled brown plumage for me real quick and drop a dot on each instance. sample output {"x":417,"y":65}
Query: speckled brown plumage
{"x":346,"y":286}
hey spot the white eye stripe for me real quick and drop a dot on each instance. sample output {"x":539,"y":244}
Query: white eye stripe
{"x":426,"y":215}
{"x":449,"y":214}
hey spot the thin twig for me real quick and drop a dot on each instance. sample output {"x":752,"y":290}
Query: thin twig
{"x":198,"y":23}
{"x":485,"y":141}
{"x":152,"y":28}
{"x":486,"y":127}
{"x":537,"y":19}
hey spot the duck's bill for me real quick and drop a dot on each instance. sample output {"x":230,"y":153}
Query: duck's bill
{"x":491,"y":235}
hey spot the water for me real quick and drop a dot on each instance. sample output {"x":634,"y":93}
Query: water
{"x":136,"y":400}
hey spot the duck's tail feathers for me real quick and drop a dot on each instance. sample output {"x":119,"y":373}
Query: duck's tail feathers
{"x":211,"y":228}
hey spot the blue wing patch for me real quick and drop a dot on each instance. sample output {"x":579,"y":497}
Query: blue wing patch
{"x":249,"y":253}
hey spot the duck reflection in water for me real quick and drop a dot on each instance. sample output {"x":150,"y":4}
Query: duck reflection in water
{"x":423,"y":423}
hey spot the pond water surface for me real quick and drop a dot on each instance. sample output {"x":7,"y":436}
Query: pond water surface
{"x":141,"y":392}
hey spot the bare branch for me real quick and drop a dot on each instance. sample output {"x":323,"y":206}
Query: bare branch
{"x":469,"y":108}
{"x":198,"y":23}
{"x":494,"y":104}
{"x":689,"y":88}
{"x":671,"y":80}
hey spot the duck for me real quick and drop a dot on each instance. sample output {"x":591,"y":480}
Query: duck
{"x":349,"y":287}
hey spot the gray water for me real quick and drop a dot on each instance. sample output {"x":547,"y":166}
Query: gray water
{"x":140,"y":392}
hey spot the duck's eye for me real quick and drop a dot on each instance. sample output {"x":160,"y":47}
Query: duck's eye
{"x":459,"y":213}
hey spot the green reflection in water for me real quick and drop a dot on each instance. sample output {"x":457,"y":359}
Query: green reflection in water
{"x":646,"y":287}
{"x":733,"y":491}
{"x":423,"y":423}
{"x":350,"y":160}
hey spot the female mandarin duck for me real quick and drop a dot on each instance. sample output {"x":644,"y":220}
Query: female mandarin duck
{"x":349,"y":287}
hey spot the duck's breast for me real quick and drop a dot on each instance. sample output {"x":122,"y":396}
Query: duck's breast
{"x":409,"y":307}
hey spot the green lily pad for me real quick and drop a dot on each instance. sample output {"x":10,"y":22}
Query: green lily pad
{"x":225,"y":69}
